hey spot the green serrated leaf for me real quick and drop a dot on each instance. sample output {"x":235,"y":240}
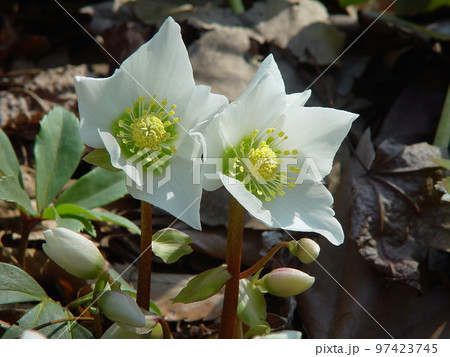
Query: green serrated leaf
{"x":171,"y":244}
{"x":95,"y":189}
{"x":100,"y":158}
{"x":70,"y":223}
{"x":204,"y":285}
{"x":17,"y":286}
{"x":45,"y":312}
{"x":114,"y":218}
{"x":11,"y":191}
{"x":73,"y":222}
{"x":75,"y":210}
{"x":58,"y":151}
{"x":251,"y":304}
{"x":9,"y":164}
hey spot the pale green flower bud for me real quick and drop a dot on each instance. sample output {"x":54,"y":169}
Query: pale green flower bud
{"x":74,"y":253}
{"x":121,"y":308}
{"x":286,"y":282}
{"x":305,"y":249}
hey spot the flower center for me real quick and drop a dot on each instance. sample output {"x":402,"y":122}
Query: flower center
{"x":264,"y":160}
{"x":147,"y":131}
{"x":258,"y":164}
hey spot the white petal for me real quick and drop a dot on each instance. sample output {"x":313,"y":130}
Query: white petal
{"x":306,"y":208}
{"x":213,"y":144}
{"x":260,"y":109}
{"x":180,"y":195}
{"x":268,"y":66}
{"x":99,"y":104}
{"x":252,"y":204}
{"x":299,"y":99}
{"x":316,"y":133}
{"x":194,"y":107}
{"x":161,"y":66}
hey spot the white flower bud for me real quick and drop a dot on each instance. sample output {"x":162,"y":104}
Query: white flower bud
{"x":32,"y":334}
{"x":286,"y":282}
{"x":121,"y":308}
{"x":305,"y":249}
{"x":74,"y":253}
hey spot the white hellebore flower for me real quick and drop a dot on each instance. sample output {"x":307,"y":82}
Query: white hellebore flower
{"x":271,"y":153}
{"x":142,"y":115}
{"x":74,"y":253}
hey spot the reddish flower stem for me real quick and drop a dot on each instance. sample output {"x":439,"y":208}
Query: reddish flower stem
{"x":145,"y":259}
{"x":233,"y":260}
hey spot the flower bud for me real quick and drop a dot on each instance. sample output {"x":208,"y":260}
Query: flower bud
{"x":286,"y":282}
{"x":74,"y":253}
{"x":121,"y":308}
{"x":305,"y":249}
{"x":32,"y":334}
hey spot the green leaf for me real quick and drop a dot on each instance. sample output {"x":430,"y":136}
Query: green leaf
{"x":72,"y":209}
{"x":444,"y":163}
{"x":11,"y":191}
{"x":447,"y":184}
{"x":57,"y":150}
{"x":73,"y":222}
{"x":114,"y":218}
{"x":344,"y":3}
{"x":257,"y":330}
{"x":95,"y":189}
{"x":9,"y":165}
{"x":100,"y":158}
{"x":204,"y":285}
{"x":170,"y":245}
{"x":45,"y":312}
{"x":17,"y":286}
{"x":251,"y":304}
{"x":417,"y":7}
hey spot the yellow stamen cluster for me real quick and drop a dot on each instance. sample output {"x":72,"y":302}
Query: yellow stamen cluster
{"x":257,"y":164}
{"x":147,"y":129}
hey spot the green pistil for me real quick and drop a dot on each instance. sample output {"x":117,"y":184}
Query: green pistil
{"x":256,"y":163}
{"x":147,"y":129}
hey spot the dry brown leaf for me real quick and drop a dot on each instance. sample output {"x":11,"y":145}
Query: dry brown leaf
{"x":301,"y":26}
{"x":31,"y":94}
{"x":396,"y":213}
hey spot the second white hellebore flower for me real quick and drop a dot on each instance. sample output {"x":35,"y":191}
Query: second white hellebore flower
{"x":271,"y":153}
{"x":142,"y":115}
{"x":74,"y":253}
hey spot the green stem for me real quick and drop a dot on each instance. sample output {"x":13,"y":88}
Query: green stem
{"x":260,"y":263}
{"x":80,"y":301}
{"x":233,"y":260}
{"x":65,"y":319}
{"x":237,"y":6}
{"x":98,"y":291}
{"x":27,"y":225}
{"x":442,"y":137}
{"x":145,"y":258}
